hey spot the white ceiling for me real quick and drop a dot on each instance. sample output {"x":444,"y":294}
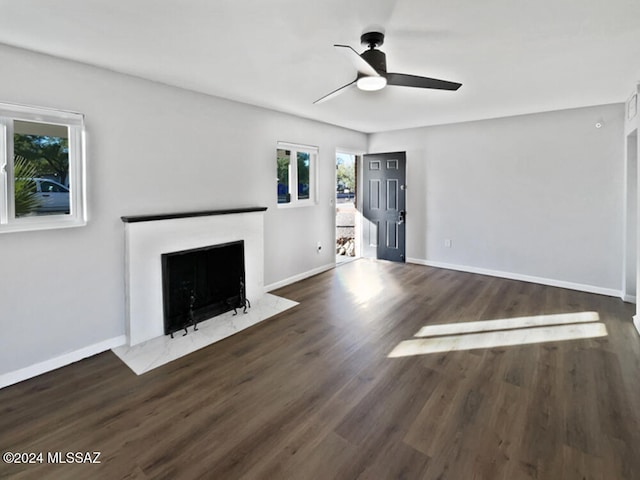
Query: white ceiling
{"x":512,"y":57}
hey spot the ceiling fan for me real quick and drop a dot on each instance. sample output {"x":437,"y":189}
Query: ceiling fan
{"x":372,"y":70}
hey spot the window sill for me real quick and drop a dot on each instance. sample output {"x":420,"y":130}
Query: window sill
{"x":28,"y":225}
{"x":309,"y":203}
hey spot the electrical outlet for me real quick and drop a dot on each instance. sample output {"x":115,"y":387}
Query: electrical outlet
{"x":447,"y":243}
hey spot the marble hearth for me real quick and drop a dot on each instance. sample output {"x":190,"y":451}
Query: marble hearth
{"x":158,"y":351}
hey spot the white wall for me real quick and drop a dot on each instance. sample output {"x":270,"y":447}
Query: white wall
{"x":534,"y":195}
{"x":151,"y":149}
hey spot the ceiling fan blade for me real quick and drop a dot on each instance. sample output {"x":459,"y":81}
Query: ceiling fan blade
{"x":335,"y":93}
{"x":360,"y":63}
{"x":405,"y":80}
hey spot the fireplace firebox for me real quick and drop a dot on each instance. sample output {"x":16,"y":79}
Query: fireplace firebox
{"x":200,"y":283}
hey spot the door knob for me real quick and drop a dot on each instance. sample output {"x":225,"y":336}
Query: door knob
{"x":401,"y":217}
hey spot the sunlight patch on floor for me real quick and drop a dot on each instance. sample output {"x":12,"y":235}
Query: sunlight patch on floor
{"x":507,"y":324}
{"x":502,"y":333}
{"x":363,"y":287}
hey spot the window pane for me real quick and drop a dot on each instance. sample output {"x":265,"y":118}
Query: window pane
{"x":41,"y":169}
{"x":304,"y":164}
{"x":284,"y":164}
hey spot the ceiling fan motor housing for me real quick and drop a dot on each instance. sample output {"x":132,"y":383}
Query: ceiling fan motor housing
{"x":376,"y":59}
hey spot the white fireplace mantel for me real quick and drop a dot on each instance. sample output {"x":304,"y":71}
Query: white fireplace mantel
{"x":148,"y":237}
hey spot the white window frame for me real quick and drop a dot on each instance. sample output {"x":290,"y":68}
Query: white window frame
{"x":294,"y":148}
{"x":77,"y":153}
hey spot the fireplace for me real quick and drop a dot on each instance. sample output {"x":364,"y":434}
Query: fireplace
{"x":149,"y":237}
{"x":200,"y":283}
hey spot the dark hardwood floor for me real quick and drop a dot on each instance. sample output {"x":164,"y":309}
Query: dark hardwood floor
{"x":313,"y":394}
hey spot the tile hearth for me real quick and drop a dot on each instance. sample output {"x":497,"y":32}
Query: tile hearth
{"x":158,"y":351}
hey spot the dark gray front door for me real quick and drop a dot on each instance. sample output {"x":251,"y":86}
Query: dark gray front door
{"x":384,"y":206}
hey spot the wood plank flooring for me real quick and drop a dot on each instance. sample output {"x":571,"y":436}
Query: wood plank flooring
{"x":313,"y":394}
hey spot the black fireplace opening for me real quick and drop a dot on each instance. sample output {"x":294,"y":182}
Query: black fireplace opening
{"x":201,"y":283}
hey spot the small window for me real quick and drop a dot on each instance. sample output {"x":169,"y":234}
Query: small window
{"x":296,"y":174}
{"x":41,"y":168}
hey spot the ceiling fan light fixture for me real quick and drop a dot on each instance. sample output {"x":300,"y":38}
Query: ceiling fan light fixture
{"x":371,"y":84}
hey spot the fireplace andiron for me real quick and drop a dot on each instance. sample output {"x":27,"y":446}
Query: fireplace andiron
{"x":243,"y":302}
{"x":192,"y":320}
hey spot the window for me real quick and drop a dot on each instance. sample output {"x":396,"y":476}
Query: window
{"x":41,"y":168}
{"x":296,"y":165}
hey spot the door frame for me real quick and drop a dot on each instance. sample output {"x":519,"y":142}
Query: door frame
{"x":630,"y":268}
{"x":358,"y":179}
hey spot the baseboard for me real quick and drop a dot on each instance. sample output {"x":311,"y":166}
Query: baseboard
{"x":629,"y":298}
{"x":524,"y":278}
{"x":297,"y":278}
{"x":16,"y":376}
{"x":636,"y":323}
